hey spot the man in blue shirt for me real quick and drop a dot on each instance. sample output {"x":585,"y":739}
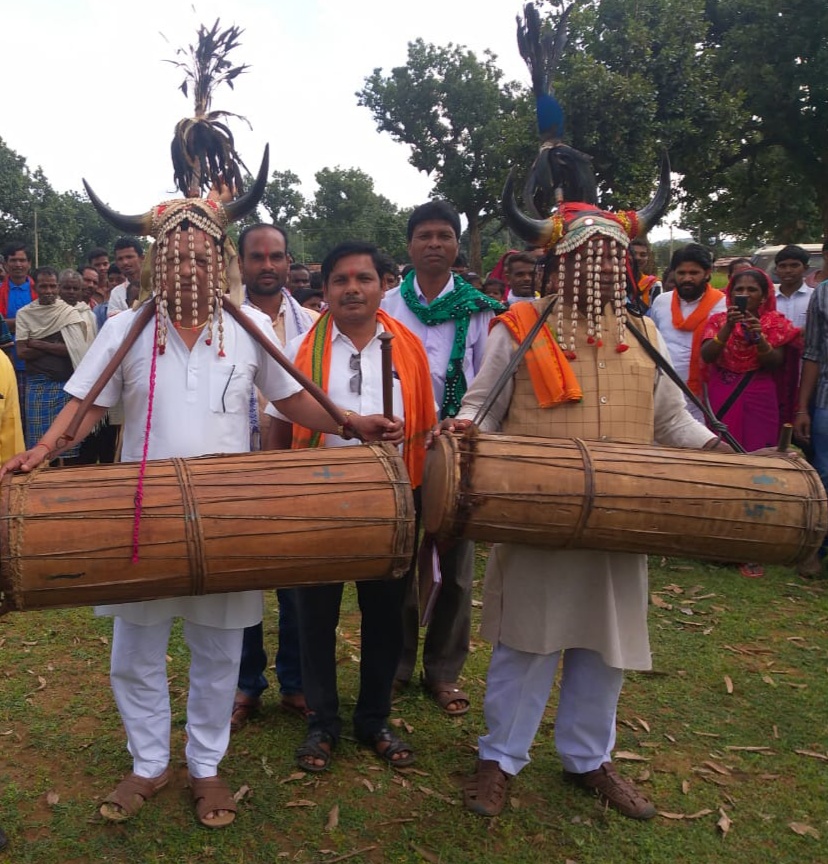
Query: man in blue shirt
{"x":16,"y":291}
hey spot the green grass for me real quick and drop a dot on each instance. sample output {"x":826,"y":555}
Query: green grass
{"x":768,"y":637}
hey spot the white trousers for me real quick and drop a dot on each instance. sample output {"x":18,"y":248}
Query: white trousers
{"x":517,"y":690}
{"x":139,"y":683}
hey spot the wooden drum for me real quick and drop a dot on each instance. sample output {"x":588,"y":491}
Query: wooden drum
{"x":210,"y":525}
{"x":573,"y":494}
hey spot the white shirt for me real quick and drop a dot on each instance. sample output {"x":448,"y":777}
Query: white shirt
{"x":795,"y":307}
{"x":117,"y":300}
{"x":200,"y":406}
{"x":291,"y":320}
{"x":369,"y":401}
{"x":439,"y":338}
{"x":679,"y":342}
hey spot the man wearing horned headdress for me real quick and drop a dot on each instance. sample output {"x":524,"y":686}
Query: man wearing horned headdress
{"x":185,"y":384}
{"x":582,"y":378}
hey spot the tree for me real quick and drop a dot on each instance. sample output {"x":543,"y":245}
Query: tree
{"x":633,"y":82}
{"x":282,"y":198}
{"x":59,"y":227}
{"x":346,"y":207}
{"x":464,"y":126}
{"x":773,"y":58}
{"x":736,"y":90}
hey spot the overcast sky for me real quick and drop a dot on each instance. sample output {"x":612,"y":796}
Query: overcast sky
{"x":95,"y":100}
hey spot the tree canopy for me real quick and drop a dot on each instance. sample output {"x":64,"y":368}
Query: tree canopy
{"x":61,"y":227}
{"x":464,"y":125}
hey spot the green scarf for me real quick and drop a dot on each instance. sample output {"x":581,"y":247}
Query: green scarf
{"x":458,"y":305}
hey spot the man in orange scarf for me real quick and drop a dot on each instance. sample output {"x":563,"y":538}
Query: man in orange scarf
{"x":680,"y":315}
{"x":342,"y":354}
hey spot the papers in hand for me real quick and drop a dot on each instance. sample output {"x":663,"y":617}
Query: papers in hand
{"x":429,"y":577}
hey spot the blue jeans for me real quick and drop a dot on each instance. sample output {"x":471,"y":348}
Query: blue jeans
{"x":819,"y":442}
{"x":252,"y":678}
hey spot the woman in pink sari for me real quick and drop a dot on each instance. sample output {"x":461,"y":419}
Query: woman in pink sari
{"x":751,"y":356}
{"x":751,"y":362}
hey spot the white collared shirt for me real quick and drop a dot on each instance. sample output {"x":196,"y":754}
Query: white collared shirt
{"x":201,"y":401}
{"x":340,"y":390}
{"x":679,"y":342}
{"x":795,"y":307}
{"x":439,"y":338}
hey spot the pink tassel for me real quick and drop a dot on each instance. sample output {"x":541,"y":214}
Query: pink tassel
{"x":139,"y":491}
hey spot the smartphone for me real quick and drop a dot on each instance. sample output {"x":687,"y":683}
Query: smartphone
{"x":740,"y":301}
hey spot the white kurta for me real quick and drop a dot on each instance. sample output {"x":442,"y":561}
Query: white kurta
{"x":542,"y":601}
{"x":200,"y":407}
{"x":438,"y":339}
{"x":679,"y":342}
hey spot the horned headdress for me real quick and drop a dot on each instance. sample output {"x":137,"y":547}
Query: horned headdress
{"x":560,"y":194}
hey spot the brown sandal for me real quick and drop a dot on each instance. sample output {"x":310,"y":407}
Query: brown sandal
{"x":444,"y":693}
{"x":244,"y":707}
{"x":210,"y":795}
{"x":130,"y":794}
{"x":485,"y":791}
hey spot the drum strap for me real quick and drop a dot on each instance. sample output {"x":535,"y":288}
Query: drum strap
{"x":663,"y":364}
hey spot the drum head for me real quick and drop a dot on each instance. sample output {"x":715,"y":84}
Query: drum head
{"x":440,"y":484}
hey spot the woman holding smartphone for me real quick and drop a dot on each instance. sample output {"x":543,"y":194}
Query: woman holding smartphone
{"x":751,"y":356}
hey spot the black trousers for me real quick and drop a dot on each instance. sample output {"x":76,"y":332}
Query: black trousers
{"x":380,"y":603}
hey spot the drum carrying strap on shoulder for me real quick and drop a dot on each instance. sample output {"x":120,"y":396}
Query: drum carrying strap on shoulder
{"x":662,"y":363}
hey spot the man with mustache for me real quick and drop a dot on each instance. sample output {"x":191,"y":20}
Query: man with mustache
{"x":342,"y":352}
{"x":681,"y":314}
{"x":451,"y":318}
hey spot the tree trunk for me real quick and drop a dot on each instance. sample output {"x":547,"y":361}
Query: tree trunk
{"x":475,"y":260}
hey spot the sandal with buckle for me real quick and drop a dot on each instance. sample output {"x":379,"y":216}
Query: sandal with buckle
{"x":484,"y":792}
{"x":388,"y":746}
{"x":129,"y":796}
{"x":318,"y":745}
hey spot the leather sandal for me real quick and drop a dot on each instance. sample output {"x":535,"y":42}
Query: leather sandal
{"x":484,"y":792}
{"x":387,"y":745}
{"x":314,"y":747}
{"x":210,"y":795}
{"x":444,"y":693}
{"x":129,"y":796}
{"x":244,"y":707}
{"x":620,"y":793}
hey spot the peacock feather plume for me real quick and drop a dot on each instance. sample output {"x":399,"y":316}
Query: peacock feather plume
{"x":203,"y":150}
{"x":560,"y":172}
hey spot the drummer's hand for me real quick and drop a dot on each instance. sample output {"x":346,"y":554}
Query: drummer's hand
{"x":375,"y":427}
{"x":450,"y":424}
{"x":27,"y":461}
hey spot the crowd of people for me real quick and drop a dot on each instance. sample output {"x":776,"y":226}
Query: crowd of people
{"x":753,"y":357}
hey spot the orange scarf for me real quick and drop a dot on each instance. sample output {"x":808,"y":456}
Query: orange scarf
{"x":695,"y":322}
{"x":552,"y":377}
{"x":411,"y":363}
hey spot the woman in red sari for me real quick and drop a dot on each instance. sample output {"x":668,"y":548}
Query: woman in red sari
{"x":751,"y":357}
{"x":751,"y":362}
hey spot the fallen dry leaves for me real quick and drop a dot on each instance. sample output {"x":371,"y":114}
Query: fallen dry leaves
{"x":724,"y":822}
{"x":627,"y":756}
{"x":333,"y":818}
{"x":812,"y":755}
{"x":803,"y":830}
{"x":728,"y":684}
{"x":242,"y":793}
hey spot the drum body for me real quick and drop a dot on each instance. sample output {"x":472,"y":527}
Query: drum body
{"x":209,"y":525}
{"x":574,"y":494}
